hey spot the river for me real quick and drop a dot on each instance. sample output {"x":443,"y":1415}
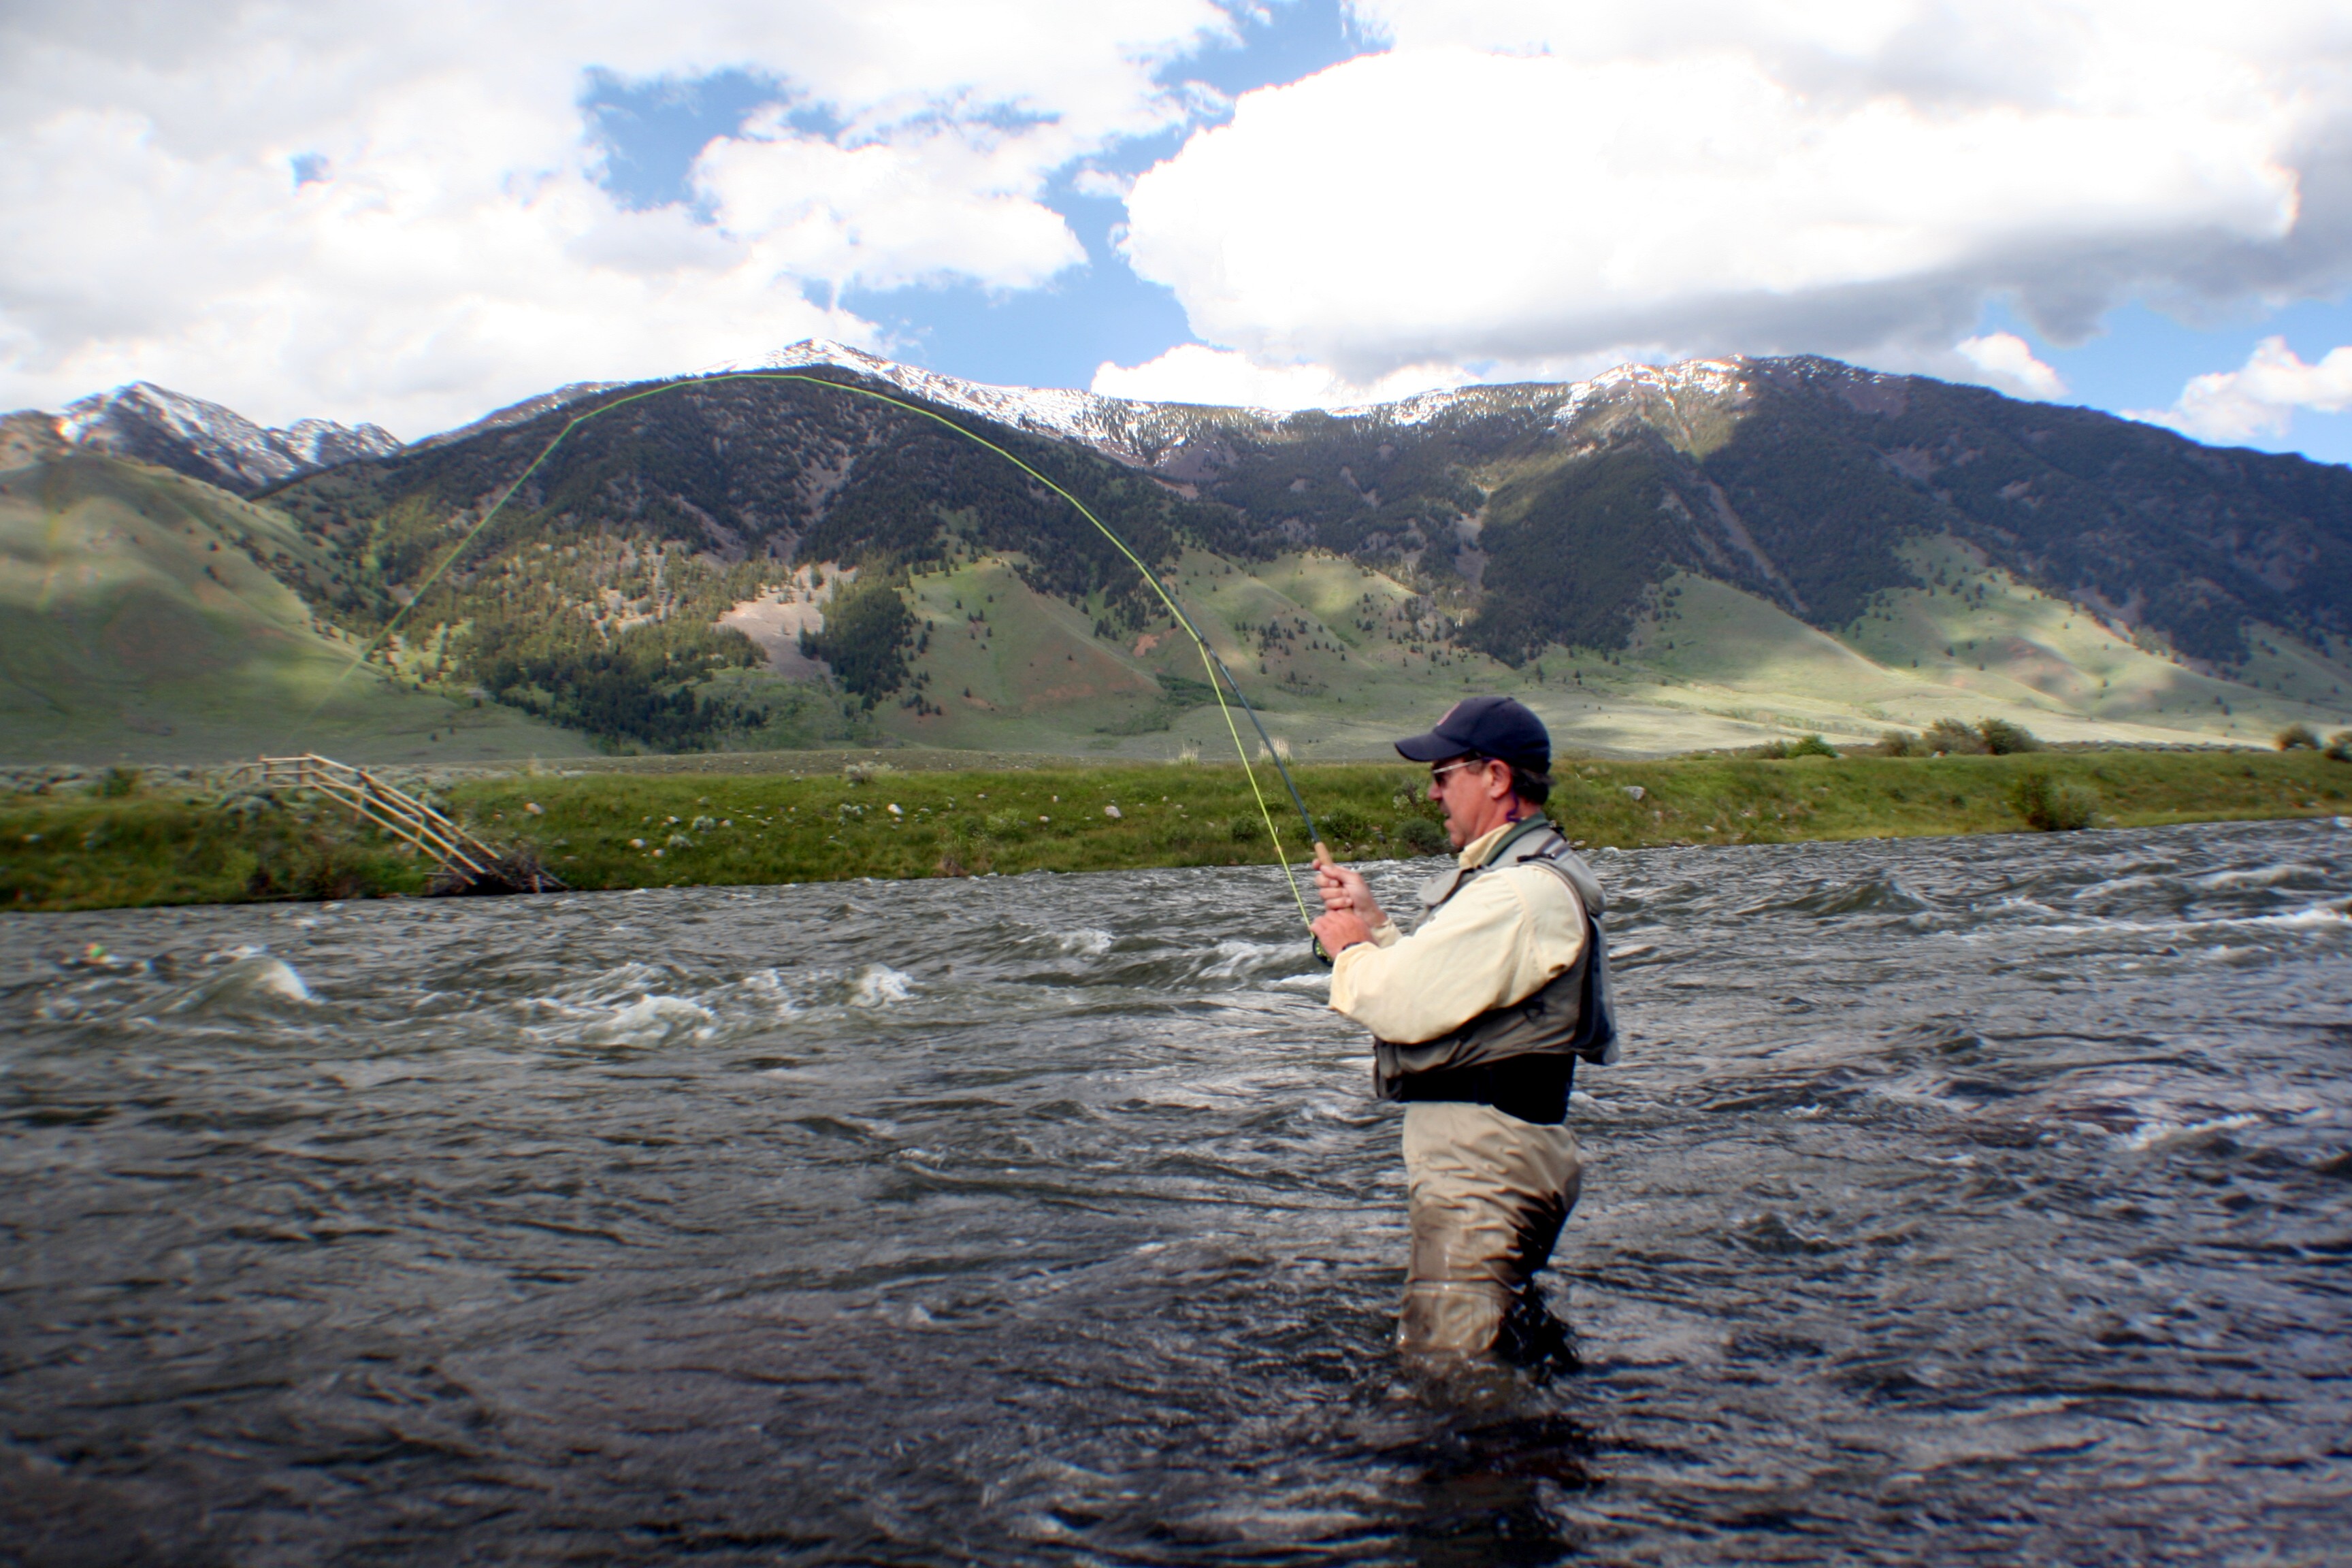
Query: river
{"x":1964,"y":1199}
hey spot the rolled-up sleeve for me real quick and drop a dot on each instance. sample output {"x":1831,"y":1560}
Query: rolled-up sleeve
{"x":1499,"y":940}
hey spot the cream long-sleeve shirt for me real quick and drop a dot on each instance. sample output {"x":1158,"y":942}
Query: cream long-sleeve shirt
{"x":1500,"y":939}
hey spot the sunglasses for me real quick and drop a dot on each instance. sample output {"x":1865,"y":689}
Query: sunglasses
{"x":1437,"y":775}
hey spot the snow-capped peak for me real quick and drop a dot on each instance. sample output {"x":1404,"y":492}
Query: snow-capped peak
{"x":1701,"y":377}
{"x":1148,"y":433}
{"x":212,"y":443}
{"x":1130,"y":431}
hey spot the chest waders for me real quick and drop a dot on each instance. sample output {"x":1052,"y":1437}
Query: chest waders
{"x":1520,"y":1060}
{"x":1491,"y":1169}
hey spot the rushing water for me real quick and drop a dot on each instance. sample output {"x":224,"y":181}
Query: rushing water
{"x":1963,"y":1199}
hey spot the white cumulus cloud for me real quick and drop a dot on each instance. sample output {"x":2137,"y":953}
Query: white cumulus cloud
{"x":2261,"y":397}
{"x":937,"y":206}
{"x":1538,"y":182}
{"x":393,"y":211}
{"x":1193,"y":372}
{"x":2007,"y":361}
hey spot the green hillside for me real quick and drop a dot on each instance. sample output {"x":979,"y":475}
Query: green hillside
{"x":146,"y":617}
{"x":1705,"y":666}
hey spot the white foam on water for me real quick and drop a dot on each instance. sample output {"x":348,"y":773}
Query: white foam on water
{"x":878,"y":984}
{"x":1236,"y":957}
{"x":662,"y":1006}
{"x":1087,"y":941}
{"x":650,"y":1021}
{"x":2184,"y":930}
{"x":609,"y":986}
{"x":2260,"y":877}
{"x":2157,"y":1135}
{"x":254,"y":977}
{"x":2012,"y":904}
{"x":274,"y":977}
{"x":767,"y":988}
{"x":2322,"y":915}
{"x":2139,"y":884}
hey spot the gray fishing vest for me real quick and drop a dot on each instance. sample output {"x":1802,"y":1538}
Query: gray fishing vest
{"x":1570,"y":1017}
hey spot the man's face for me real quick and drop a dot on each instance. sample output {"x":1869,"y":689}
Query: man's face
{"x":1465,"y":787}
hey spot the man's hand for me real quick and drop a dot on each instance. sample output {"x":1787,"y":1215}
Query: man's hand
{"x":1350,"y":914}
{"x":1341,"y":889}
{"x":1340,"y":929}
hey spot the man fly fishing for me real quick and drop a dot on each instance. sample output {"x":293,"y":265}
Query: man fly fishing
{"x":1479,"y":1018}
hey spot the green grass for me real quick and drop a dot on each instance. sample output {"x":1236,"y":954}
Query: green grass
{"x":1713,"y":667}
{"x":138,"y":623}
{"x":603,"y":830}
{"x":96,"y":852}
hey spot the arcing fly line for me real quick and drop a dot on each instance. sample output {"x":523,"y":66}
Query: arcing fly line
{"x":1220,"y":677}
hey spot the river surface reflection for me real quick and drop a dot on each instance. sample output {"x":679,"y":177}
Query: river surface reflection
{"x":1981,"y":1198}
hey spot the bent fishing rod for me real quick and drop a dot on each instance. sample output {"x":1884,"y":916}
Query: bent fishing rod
{"x":1221,"y":678}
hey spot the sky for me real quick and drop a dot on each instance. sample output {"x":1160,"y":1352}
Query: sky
{"x":411,"y":214}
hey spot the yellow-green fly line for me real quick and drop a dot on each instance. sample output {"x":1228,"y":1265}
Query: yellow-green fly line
{"x":1210,"y":662}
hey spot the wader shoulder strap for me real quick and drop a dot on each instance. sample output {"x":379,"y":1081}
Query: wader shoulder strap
{"x":1533,"y":838}
{"x":1536,"y":842}
{"x":1596,"y":1026}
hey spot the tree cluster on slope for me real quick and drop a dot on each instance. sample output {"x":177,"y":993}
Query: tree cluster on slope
{"x":666,"y":512}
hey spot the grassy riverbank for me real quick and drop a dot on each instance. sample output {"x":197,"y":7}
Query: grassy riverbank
{"x":627,"y":830}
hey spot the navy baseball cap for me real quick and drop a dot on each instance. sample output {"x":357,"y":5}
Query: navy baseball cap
{"x":1490,"y":726}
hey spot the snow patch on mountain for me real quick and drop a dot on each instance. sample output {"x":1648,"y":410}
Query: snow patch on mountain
{"x":211,"y":442}
{"x":1144,"y":433}
{"x":1177,"y":441}
{"x":1706,"y":378}
{"x":1154,"y":435}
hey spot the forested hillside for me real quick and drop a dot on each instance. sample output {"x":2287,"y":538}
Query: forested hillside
{"x":1715,"y":550}
{"x":1547,"y":512}
{"x":1517,"y":518}
{"x":593,"y":596}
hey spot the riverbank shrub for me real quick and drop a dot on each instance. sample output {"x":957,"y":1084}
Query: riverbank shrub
{"x":1343,"y":826}
{"x":1950,"y":738}
{"x":1422,"y":837}
{"x":317,"y":870}
{"x":2339,"y":746}
{"x":2298,"y":738}
{"x":2053,"y":805}
{"x":1809,"y":746}
{"x":2003,"y":738}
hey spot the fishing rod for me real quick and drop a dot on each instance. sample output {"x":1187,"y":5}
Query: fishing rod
{"x":1221,"y":678}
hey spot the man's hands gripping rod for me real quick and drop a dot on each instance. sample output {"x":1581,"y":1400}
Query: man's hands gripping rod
{"x":1350,"y":914}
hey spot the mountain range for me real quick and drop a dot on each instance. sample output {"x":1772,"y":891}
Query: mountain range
{"x":207,"y":441}
{"x":1706,"y":553}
